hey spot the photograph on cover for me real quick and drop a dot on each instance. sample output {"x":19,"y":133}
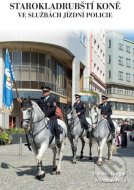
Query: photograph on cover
{"x":57,"y":89}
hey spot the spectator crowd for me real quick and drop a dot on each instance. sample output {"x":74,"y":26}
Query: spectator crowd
{"x":124,"y":126}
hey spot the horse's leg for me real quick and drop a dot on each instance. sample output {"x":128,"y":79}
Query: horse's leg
{"x":75,"y":142}
{"x":54,"y":149}
{"x":39,"y":164}
{"x":60,"y":157}
{"x":90,"y":148}
{"x":109,"y":144}
{"x":71,"y":142}
{"x":100,"y":149}
{"x":41,"y":151}
{"x":83,"y":144}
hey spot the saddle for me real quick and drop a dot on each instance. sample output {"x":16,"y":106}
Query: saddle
{"x":110,"y":131}
{"x":51,"y":127}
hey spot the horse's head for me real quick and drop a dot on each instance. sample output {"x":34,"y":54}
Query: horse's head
{"x":94,"y":115}
{"x":69,"y":112}
{"x":27,"y":111}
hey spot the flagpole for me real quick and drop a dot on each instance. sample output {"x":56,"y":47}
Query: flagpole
{"x":15,"y":85}
{"x":28,"y":144}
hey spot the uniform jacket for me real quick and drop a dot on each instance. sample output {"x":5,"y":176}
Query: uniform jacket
{"x":106,"y":109}
{"x":80,"y":107}
{"x":48,"y":106}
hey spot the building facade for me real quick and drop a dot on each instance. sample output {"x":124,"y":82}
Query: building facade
{"x":97,"y":62}
{"x":57,"y":59}
{"x":120,"y":74}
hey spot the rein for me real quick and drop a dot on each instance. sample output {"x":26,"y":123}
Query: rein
{"x":72,"y":121}
{"x":30,"y":120}
{"x":31,"y":123}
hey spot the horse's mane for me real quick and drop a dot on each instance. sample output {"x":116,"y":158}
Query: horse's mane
{"x":37,"y":107}
{"x":74,"y":112}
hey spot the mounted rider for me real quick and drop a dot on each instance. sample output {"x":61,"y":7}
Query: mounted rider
{"x":47,"y":103}
{"x":80,"y":111}
{"x":106,"y":112}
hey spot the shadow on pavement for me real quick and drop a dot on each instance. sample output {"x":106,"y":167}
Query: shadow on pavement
{"x":125,"y":152}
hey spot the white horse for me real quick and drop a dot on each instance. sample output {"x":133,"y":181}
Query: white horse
{"x":40,"y":135}
{"x":75,"y":131}
{"x":102,"y":134}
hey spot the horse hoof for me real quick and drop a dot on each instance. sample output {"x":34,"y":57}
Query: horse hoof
{"x":57,"y":172}
{"x":90,"y":158}
{"x":109,"y":160}
{"x":74,"y":162}
{"x":40,"y":177}
{"x":54,"y":168}
{"x":99,"y":163}
{"x":81,"y":156}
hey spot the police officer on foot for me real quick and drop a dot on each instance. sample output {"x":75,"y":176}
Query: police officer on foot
{"x":106,"y":112}
{"x":80,"y":111}
{"x":48,"y":105}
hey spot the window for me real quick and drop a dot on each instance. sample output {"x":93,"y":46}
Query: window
{"x":34,"y":59}
{"x":128,"y":77}
{"x":120,"y":47}
{"x":109,"y":43}
{"x":133,"y":64}
{"x":109,"y":74}
{"x":16,"y":58}
{"x":120,"y":60}
{"x":128,"y":62}
{"x":94,"y":65}
{"x":26,"y":58}
{"x":83,"y":39}
{"x":109,"y":59}
{"x":120,"y":75}
{"x":94,"y":41}
{"x":119,"y":91}
{"x":128,"y":49}
{"x":133,"y":78}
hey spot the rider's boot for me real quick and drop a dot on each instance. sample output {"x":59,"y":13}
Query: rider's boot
{"x":88,"y":132}
{"x":57,"y":136}
{"x":113,"y":132}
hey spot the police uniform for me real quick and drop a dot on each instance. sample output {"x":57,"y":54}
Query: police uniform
{"x":80,"y":108}
{"x":48,"y":106}
{"x":106,"y":109}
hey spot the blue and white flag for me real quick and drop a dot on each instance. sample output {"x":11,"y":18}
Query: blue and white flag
{"x":9,"y":78}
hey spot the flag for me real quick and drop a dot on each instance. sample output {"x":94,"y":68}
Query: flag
{"x":9,"y":78}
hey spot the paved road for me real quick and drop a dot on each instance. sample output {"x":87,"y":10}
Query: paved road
{"x":18,"y":172}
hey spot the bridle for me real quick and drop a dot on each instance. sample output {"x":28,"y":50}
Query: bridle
{"x":72,"y":119}
{"x":31,"y":123}
{"x":30,"y":119}
{"x":97,"y":122}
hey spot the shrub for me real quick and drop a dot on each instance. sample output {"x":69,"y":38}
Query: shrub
{"x":16,"y":131}
{"x":4,"y":138}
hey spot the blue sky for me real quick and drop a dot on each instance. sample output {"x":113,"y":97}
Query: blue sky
{"x":128,"y":34}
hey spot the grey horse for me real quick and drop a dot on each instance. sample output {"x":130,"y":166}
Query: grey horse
{"x":75,"y":131}
{"x":40,"y":135}
{"x":102,"y":133}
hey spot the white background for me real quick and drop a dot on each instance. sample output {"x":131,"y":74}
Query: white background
{"x":9,"y":19}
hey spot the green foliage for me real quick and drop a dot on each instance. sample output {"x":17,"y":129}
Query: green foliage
{"x":16,"y":131}
{"x":4,"y":138}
